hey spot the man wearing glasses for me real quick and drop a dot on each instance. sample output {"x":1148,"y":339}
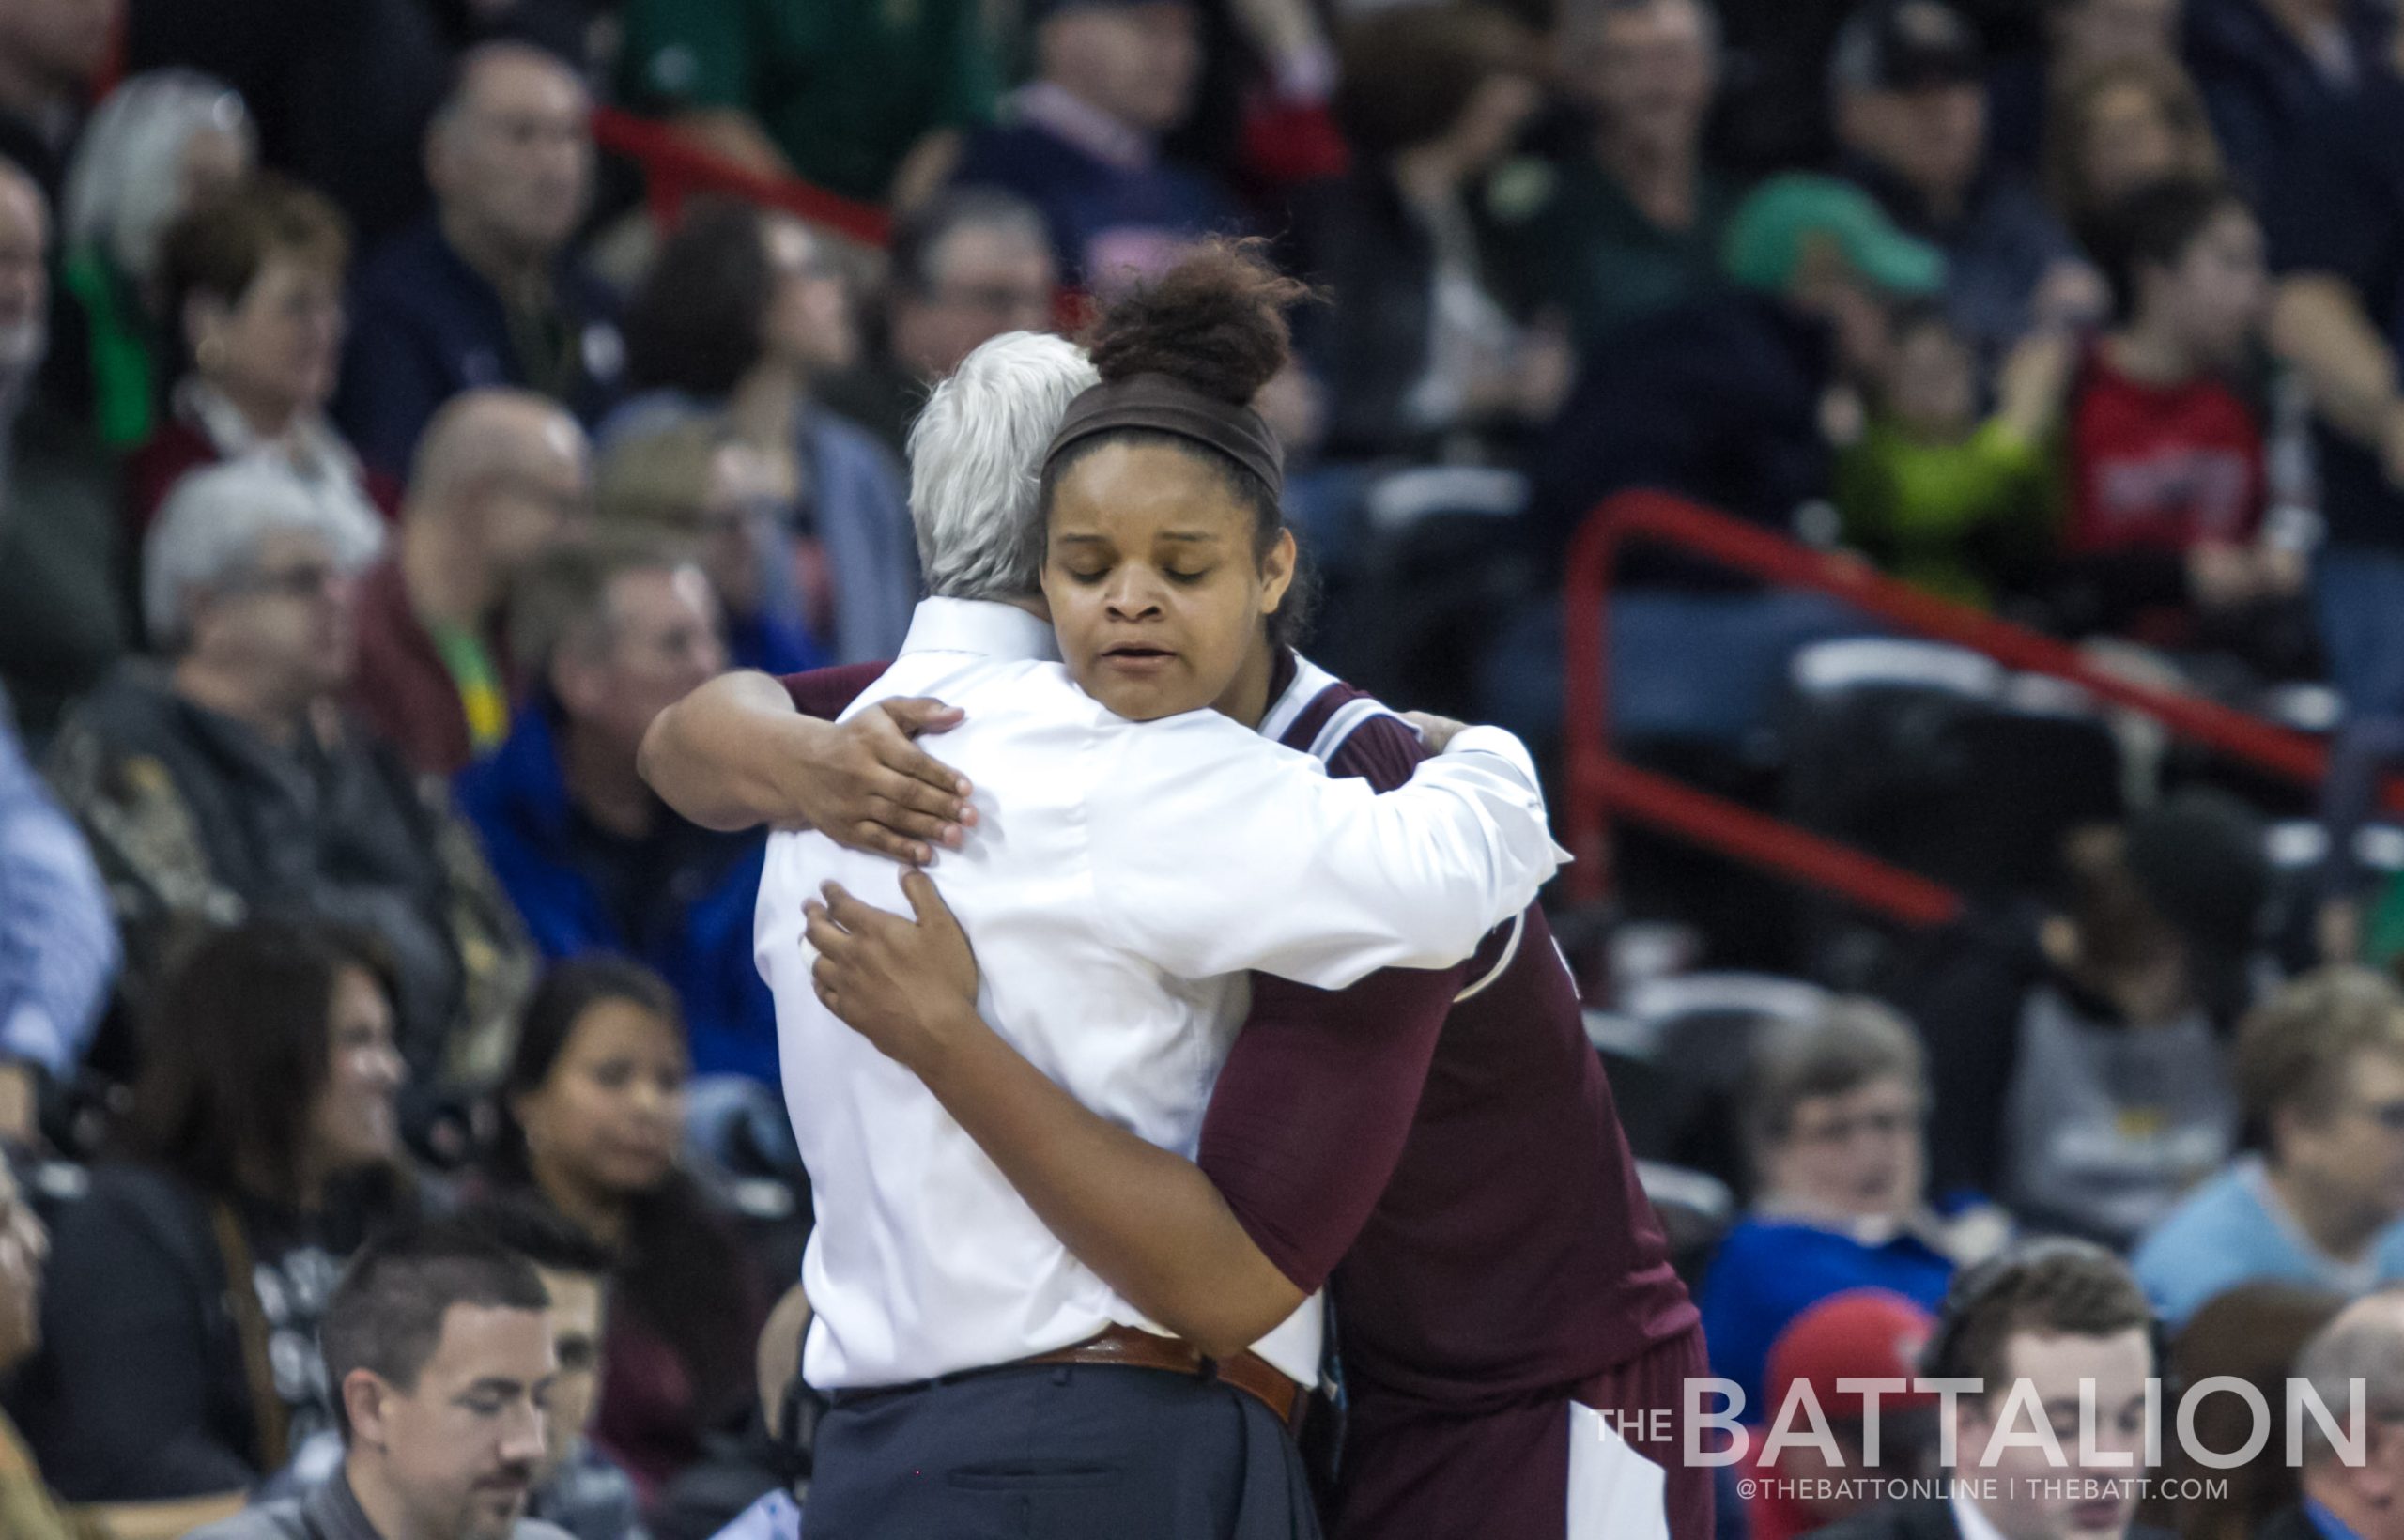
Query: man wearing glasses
{"x":2320,"y":1074}
{"x":501,"y":477}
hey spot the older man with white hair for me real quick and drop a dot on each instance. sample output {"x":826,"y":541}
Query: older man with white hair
{"x":224,"y":781}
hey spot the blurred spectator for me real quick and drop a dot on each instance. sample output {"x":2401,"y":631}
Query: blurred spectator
{"x":2081,"y":38}
{"x":500,"y":476}
{"x":64,"y":615}
{"x":2253,"y":1333}
{"x":438,"y":1346}
{"x":59,"y":943}
{"x":226,"y":782}
{"x":610,"y":637}
{"x":691,"y":486}
{"x":187,"y":1285}
{"x":2165,"y":460}
{"x":2351,"y":1491}
{"x":593,"y":1112}
{"x":2337,"y":225}
{"x":1726,"y":400}
{"x":1911,"y":111}
{"x":2269,"y":67}
{"x":863,"y":98}
{"x":742,"y":315}
{"x":51,"y":52}
{"x":1834,"y":1118}
{"x":2320,"y":1074}
{"x":27,"y":1510}
{"x":577,"y":1487}
{"x":1419,"y":358}
{"x":2062,"y":1321}
{"x":1863,"y":1333}
{"x":967,"y":266}
{"x":2121,"y":127}
{"x":2081,"y":1062}
{"x":1081,"y":143}
{"x":1628,"y":221}
{"x":486,"y":292}
{"x":161,"y":145}
{"x":1939,"y":490}
{"x":1722,"y":400}
{"x":254,"y":281}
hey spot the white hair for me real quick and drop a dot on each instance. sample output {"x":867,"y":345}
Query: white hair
{"x":127,"y":181}
{"x":211,"y":526}
{"x":977,"y":464}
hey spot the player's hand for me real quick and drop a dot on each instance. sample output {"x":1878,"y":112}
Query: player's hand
{"x":1435,"y":731}
{"x":867,"y":785}
{"x":905,"y":985}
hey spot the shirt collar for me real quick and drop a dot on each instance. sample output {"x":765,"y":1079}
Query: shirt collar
{"x":1972,"y":1524}
{"x":2327,"y":1524}
{"x":1083,"y":125}
{"x":335,"y":1508}
{"x":985,"y":627}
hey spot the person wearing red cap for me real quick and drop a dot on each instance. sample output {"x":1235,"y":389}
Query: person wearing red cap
{"x":1863,"y":1333}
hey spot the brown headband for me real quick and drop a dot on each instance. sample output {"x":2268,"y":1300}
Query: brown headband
{"x":1166,"y":404}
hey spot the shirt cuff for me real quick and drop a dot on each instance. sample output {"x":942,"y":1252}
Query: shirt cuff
{"x":1495,"y":740}
{"x":30,"y":1034}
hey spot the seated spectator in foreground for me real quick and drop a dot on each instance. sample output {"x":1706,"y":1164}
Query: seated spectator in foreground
{"x":690,"y":485}
{"x":1942,"y":491}
{"x":64,"y":620}
{"x":58,"y":942}
{"x":1834,"y":1114}
{"x":742,"y":315}
{"x":1082,"y":141}
{"x":2081,"y":1050}
{"x":2320,"y":1073}
{"x":2351,"y":1492}
{"x":1863,"y":1333}
{"x":869,"y":100}
{"x":1911,"y":111}
{"x":2064,"y":1319}
{"x":577,"y":1487}
{"x":1419,"y":358}
{"x":967,"y":266}
{"x":187,"y":1286}
{"x":614,"y":634}
{"x":1626,"y":221}
{"x":592,"y":1116}
{"x":2254,"y":1333}
{"x":502,"y":476}
{"x":2165,"y":458}
{"x":163,"y":145}
{"x":254,"y":281}
{"x":27,"y":1509}
{"x":2269,"y":67}
{"x":2081,"y":36}
{"x":2119,"y":129}
{"x":224,"y":782}
{"x":488,"y":292}
{"x":438,"y":1344}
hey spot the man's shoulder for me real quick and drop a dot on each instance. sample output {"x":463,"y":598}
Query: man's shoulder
{"x":286,"y":1518}
{"x":410,"y":268}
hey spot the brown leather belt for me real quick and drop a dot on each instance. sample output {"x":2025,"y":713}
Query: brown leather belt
{"x":1138,"y":1349}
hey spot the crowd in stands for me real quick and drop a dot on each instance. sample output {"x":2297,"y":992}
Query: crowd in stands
{"x":377,"y":462}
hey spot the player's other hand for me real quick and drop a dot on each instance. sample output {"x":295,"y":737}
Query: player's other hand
{"x":905,"y":984}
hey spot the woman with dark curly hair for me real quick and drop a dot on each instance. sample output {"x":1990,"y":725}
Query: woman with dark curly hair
{"x":744,"y":310}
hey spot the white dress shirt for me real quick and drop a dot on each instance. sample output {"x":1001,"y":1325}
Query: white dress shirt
{"x":1122,"y":879}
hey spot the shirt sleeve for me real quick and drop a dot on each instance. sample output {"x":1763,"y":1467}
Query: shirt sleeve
{"x":827,"y":693}
{"x":1216,"y":853}
{"x":58,"y":942}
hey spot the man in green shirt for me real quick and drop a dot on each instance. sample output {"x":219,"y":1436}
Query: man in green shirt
{"x":865,"y":98}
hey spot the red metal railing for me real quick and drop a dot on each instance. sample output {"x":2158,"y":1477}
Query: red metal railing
{"x":1603,"y":786}
{"x":675,"y":168}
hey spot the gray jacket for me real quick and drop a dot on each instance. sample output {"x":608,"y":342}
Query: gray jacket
{"x":329,"y":1513}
